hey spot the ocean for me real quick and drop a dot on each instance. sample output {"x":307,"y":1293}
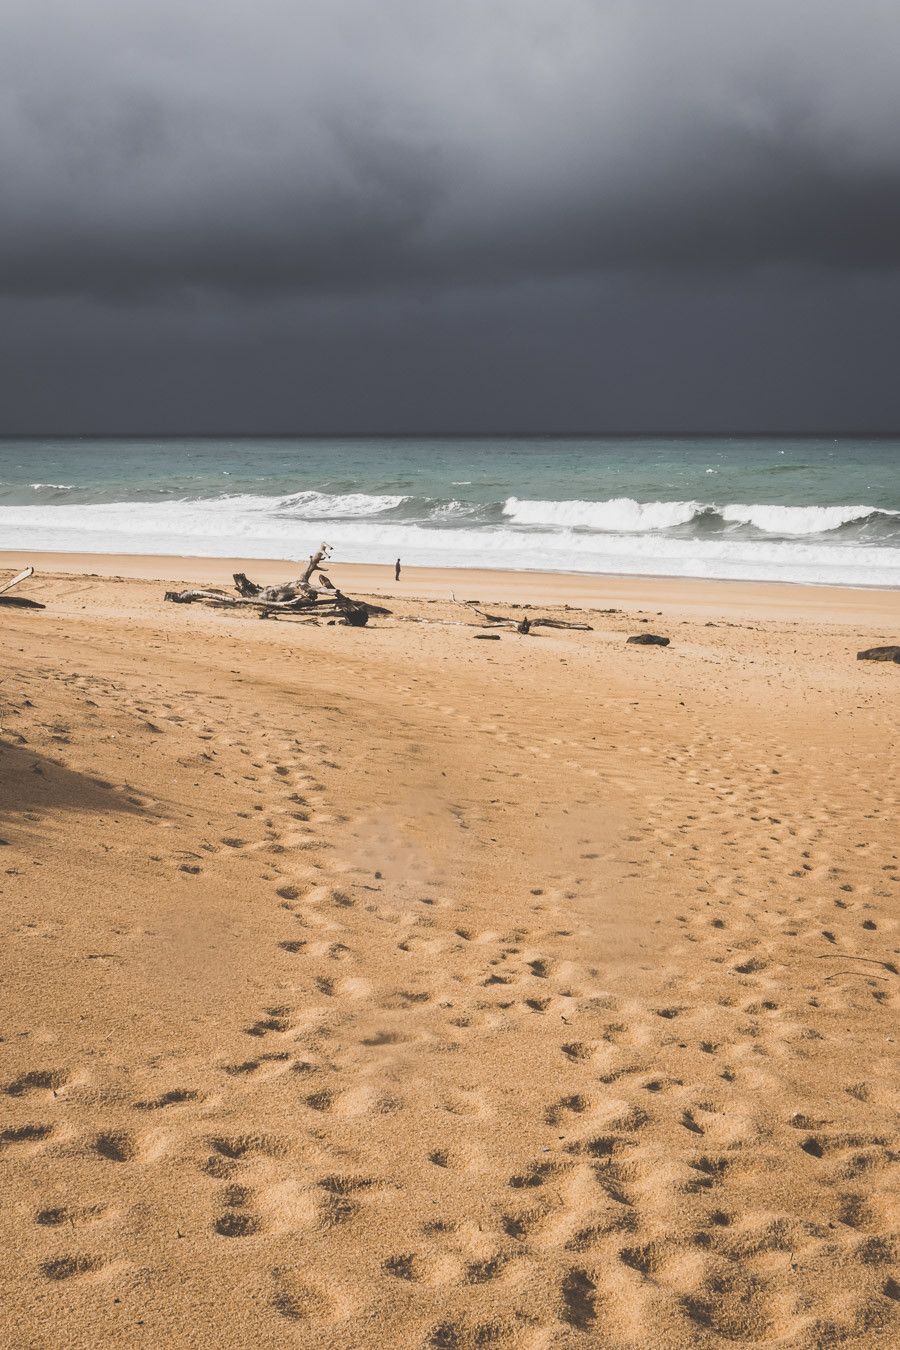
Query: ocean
{"x":807,"y":510}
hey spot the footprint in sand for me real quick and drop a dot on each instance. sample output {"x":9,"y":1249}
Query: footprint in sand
{"x":116,"y":1146}
{"x":578,"y":1294}
{"x":300,"y":1301}
{"x":23,"y":1135}
{"x":235,"y":1221}
{"x":174,"y":1097}
{"x":275,"y":1061}
{"x":74,"y":1267}
{"x":276,"y":1019}
{"x":66,"y":1216}
{"x":344,"y":1194}
{"x":467,"y":1333}
{"x":242,"y":1146}
{"x":38,"y":1080}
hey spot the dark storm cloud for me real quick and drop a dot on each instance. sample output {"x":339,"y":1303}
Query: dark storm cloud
{"x":340,"y":146}
{"x":448,"y":215}
{"x":616,"y":354}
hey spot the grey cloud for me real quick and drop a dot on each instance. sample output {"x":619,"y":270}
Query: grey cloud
{"x":609,"y":354}
{"x":344,"y":146}
{"x":449,"y":215}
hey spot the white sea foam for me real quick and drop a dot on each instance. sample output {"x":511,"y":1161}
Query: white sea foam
{"x":623,"y":515}
{"x":797,"y":520}
{"x":619,"y":514}
{"x":324,"y":505}
{"x":259,"y":527}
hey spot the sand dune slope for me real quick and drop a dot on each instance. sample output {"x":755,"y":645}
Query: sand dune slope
{"x":392,"y":989}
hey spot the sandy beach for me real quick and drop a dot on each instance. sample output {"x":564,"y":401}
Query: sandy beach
{"x":388,"y":988}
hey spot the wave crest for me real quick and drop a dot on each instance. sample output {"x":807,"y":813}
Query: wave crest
{"x":624,"y":515}
{"x":313,"y":505}
{"x":619,"y":515}
{"x":800,"y":519}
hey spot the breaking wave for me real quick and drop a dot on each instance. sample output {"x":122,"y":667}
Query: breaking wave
{"x":620,"y":514}
{"x":623,"y":515}
{"x":856,"y":545}
{"x":326,"y":505}
{"x":799,"y":520}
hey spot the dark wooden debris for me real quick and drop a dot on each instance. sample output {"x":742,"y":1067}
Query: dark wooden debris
{"x":525,"y":625}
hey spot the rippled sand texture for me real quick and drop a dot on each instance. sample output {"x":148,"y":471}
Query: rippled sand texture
{"x":392,"y":989}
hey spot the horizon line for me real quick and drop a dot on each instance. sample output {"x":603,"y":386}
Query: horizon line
{"x":813,"y":434}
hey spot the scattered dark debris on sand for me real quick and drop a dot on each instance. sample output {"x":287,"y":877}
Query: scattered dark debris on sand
{"x":314,"y":596}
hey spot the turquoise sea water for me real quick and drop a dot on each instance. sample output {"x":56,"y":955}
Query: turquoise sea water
{"x":805,"y":510}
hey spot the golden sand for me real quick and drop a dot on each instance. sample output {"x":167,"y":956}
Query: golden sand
{"x":388,"y":988}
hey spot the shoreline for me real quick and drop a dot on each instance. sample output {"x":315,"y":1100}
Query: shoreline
{"x":694,"y":596}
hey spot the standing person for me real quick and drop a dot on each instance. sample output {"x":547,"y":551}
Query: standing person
{"x":397,"y":570}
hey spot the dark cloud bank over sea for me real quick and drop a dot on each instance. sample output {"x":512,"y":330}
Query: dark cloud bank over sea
{"x":401,"y":215}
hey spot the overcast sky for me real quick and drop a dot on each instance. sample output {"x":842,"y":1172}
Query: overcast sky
{"x":449,"y":215}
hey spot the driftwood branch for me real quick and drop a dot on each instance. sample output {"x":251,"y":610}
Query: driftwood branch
{"x":294,"y":597}
{"x":18,"y":601}
{"x":314,"y":565}
{"x":525,"y":625}
{"x":16,"y":580}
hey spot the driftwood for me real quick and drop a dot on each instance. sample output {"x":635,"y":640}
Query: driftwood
{"x":299,"y":597}
{"x":525,"y":625}
{"x":14,"y":581}
{"x":18,"y":601}
{"x":494,"y":621}
{"x":313,"y":596}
